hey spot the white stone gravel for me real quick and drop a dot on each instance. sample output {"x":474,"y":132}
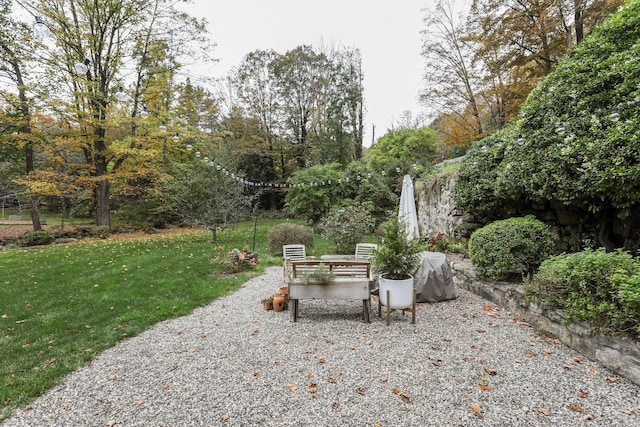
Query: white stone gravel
{"x":233,"y":364}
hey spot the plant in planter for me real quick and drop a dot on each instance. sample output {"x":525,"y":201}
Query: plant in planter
{"x":322,"y":274}
{"x":267,"y":303}
{"x":396,"y":260}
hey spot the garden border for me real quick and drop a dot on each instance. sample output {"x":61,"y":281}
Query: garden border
{"x":621,"y":355}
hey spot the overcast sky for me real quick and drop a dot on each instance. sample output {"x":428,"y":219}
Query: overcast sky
{"x":386,"y":33}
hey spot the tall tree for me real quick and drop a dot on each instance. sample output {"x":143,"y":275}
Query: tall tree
{"x":16,"y":54}
{"x":451,"y":77}
{"x":96,"y":43}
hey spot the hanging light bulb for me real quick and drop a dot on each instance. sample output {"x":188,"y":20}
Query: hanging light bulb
{"x":615,"y":116}
{"x":40,"y":28}
{"x":121,"y":95}
{"x":144,"y":113}
{"x":163,"y":127}
{"x":520,"y":140}
{"x":198,"y":153}
{"x":397,"y":169}
{"x":206,"y":159}
{"x":82,"y":68}
{"x":560,"y":128}
{"x":176,"y":137}
{"x":189,"y":147}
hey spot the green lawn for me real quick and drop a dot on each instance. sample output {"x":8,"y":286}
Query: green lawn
{"x":61,"y":305}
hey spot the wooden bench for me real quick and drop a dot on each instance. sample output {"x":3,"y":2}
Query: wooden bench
{"x":350,"y":280}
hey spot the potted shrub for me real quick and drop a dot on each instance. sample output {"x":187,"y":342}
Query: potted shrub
{"x":395,"y":260}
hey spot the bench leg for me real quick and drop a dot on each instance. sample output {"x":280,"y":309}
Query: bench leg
{"x":366,"y":306}
{"x":294,"y":310}
{"x":413,"y":312}
{"x":388,"y":309}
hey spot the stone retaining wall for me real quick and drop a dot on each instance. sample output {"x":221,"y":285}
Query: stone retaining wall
{"x":618,"y":354}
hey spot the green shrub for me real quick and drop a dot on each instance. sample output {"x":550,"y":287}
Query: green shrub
{"x":289,"y":234}
{"x":36,"y":238}
{"x":511,"y":246}
{"x":346,"y":226}
{"x":598,"y":287}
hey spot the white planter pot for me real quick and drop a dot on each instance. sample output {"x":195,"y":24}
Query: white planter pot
{"x":400,"y":293}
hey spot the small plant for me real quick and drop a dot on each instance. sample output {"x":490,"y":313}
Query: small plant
{"x":321,"y":274}
{"x":288,"y":234}
{"x":397,"y":257}
{"x":443,"y":243}
{"x":513,"y":246}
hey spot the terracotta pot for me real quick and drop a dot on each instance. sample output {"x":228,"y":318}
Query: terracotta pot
{"x":278,"y":303}
{"x":267,"y":305}
{"x":285,"y":291}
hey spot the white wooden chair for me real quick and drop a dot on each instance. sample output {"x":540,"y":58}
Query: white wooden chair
{"x":292,"y":253}
{"x":365,"y":250}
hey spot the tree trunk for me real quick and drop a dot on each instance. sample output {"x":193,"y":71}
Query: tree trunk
{"x":102,"y":203}
{"x":606,"y":228}
{"x":34,"y":202}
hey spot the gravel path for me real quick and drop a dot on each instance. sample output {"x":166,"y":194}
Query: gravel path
{"x":464,"y":363}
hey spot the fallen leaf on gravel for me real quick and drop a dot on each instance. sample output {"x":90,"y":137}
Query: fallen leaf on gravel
{"x":485,"y":387}
{"x":548,"y":352}
{"x":567,"y":367}
{"x":614,"y":379}
{"x":331,"y":380}
{"x":575,"y":408}
{"x":628,"y":411}
{"x":544,"y":411}
{"x":576,"y":359}
{"x":529,"y":354}
{"x":256,"y":374}
{"x":335,"y":405}
{"x":476,"y":410}
{"x":254,"y":333}
{"x":489,"y":371}
{"x":384,"y":379}
{"x":111,"y":423}
{"x":322,"y":360}
{"x":402,"y":395}
{"x":225,"y":417}
{"x":292,"y":387}
{"x":360,"y":390}
{"x":112,"y":377}
{"x":313,"y":388}
{"x":166,"y":386}
{"x":583,"y":394}
{"x":437,"y":363}
{"x":487,"y":307}
{"x":139,"y":403}
{"x":480,"y":331}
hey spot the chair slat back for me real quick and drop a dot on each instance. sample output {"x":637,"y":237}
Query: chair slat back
{"x":365,"y":250}
{"x":294,"y":252}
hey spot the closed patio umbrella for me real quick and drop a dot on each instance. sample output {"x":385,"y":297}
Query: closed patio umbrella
{"x":407,"y":213}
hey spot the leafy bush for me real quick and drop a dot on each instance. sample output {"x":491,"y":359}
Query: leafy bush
{"x":289,"y":234}
{"x":36,"y":238}
{"x":347,"y":225}
{"x":598,"y":287}
{"x":511,"y":246}
{"x":447,"y":244}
